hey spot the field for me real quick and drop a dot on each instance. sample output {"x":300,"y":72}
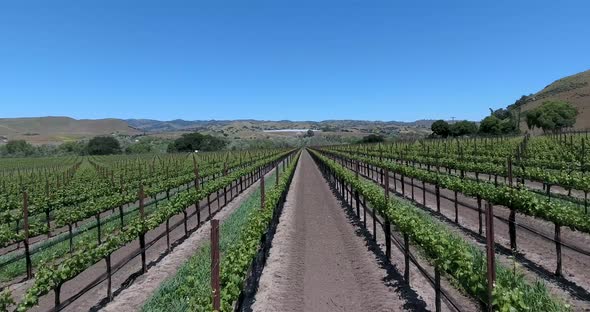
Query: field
{"x":408,"y":225}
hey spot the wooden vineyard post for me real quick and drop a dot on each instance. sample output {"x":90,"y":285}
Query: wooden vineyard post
{"x":387,"y":225}
{"x":197,"y":203}
{"x":109,"y":278}
{"x":345,"y":191}
{"x":424,"y":193}
{"x":98,"y":229}
{"x":456,"y":209}
{"x":437,"y":191}
{"x":168,"y":235}
{"x":71,"y":237}
{"x":557,"y":239}
{"x":479,"y":212}
{"x":403,"y":186}
{"x":491,"y":259}
{"x":583,"y":165}
{"x":356,"y":169}
{"x":364,"y":212}
{"x":512,"y":229}
{"x":215,"y":265}
{"x":407,"y":258}
{"x":209,"y":203}
{"x":47,"y":209}
{"x":356,"y":197}
{"x":29,"y":266}
{"x":510,"y":172}
{"x":262,"y":194}
{"x":277,"y":174}
{"x":374,"y":216}
{"x":57,"y":291}
{"x":224,"y":196}
{"x":121,"y":205}
{"x":437,"y":298}
{"x":412,"y":184}
{"x":350,"y":195}
{"x":231,"y":190}
{"x":142,"y":234}
{"x":218,"y":200}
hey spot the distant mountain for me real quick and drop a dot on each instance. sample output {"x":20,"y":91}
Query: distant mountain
{"x":40,"y":130}
{"x":61,"y":129}
{"x":574,"y":89}
{"x":150,"y":125}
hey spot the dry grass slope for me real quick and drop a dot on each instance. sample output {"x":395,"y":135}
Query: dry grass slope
{"x":60,"y":129}
{"x":574,"y":89}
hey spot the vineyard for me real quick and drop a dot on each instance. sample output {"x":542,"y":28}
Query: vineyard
{"x":538,"y":188}
{"x":474,"y":224}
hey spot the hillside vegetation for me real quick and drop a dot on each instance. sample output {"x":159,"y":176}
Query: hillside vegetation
{"x":573,"y":89}
{"x":60,"y":129}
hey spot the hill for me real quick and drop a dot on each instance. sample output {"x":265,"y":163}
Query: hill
{"x":253,"y":129}
{"x":39,"y":130}
{"x":574,"y":89}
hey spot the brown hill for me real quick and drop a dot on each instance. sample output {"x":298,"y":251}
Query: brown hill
{"x":60,"y":129}
{"x":574,"y":89}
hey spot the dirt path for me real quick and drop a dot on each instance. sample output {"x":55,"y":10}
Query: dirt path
{"x":318,"y":262}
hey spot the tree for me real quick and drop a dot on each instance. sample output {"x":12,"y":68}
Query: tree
{"x":464,"y":127}
{"x":141,"y":147}
{"x":508,"y":126}
{"x":490,"y":125}
{"x":501,"y":113}
{"x":19,"y":148}
{"x":309,"y":134}
{"x":76,"y":148}
{"x":103,"y":145}
{"x":191,"y":142}
{"x":552,"y":116}
{"x":373,"y":138}
{"x":441,"y":128}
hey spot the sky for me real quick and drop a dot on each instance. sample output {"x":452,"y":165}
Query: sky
{"x":281,"y":59}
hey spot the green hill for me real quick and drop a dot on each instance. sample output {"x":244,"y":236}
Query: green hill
{"x":574,"y":89}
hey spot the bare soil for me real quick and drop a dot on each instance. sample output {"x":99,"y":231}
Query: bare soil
{"x":319,"y":262}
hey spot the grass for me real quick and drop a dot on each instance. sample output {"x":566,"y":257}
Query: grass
{"x":193,"y":279}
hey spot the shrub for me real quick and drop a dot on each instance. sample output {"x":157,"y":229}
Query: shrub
{"x":103,"y":145}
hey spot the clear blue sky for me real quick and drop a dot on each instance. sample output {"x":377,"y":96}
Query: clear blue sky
{"x":279,"y":59}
